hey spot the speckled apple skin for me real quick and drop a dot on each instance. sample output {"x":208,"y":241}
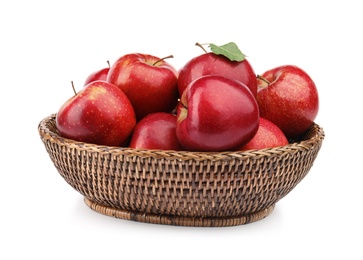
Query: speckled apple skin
{"x":149,"y":82}
{"x":268,"y":135}
{"x":290,"y":99}
{"x":100,"y":114}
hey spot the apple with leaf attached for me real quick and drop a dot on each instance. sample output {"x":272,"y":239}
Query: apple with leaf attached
{"x":226,"y":60}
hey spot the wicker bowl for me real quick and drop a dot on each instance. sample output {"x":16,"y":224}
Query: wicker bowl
{"x":180,"y":187}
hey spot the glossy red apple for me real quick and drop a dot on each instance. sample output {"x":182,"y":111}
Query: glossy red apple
{"x":288,"y":97}
{"x":212,"y":64}
{"x":268,"y":135}
{"x":148,"y":81}
{"x":100,"y":113}
{"x":156,"y":131}
{"x":100,"y":74}
{"x":216,"y":114}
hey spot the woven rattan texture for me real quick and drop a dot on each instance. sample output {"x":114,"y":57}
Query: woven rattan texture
{"x":180,"y":183}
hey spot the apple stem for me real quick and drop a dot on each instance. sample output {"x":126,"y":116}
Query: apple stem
{"x":201,"y":46}
{"x":74,"y":90}
{"x":181,"y":103}
{"x":263,"y":79}
{"x":167,"y":57}
{"x":108,"y":62}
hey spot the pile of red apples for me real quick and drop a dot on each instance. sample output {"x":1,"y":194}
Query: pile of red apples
{"x":215,"y":102}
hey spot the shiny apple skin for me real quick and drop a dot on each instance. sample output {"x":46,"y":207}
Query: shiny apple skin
{"x":150,"y":88}
{"x":216,"y":114}
{"x":268,"y":135}
{"x":100,"y":114}
{"x":212,"y":64}
{"x":156,"y":131}
{"x":290,"y":100}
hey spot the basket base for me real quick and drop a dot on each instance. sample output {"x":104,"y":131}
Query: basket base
{"x":179,"y":220}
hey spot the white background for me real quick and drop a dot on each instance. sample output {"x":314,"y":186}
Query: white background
{"x":45,"y":45}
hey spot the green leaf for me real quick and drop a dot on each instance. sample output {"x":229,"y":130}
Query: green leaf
{"x":229,"y":50}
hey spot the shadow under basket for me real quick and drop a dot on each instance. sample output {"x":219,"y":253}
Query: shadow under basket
{"x":179,"y":187}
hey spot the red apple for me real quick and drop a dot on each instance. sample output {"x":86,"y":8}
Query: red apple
{"x":100,"y":113}
{"x":98,"y":75}
{"x":148,"y":81}
{"x":156,"y":131}
{"x":216,"y":114}
{"x":212,"y":64}
{"x":288,"y":97}
{"x":268,"y":135}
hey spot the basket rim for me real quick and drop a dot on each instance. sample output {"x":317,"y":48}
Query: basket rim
{"x":293,"y":146}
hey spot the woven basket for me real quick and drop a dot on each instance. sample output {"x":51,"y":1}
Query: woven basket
{"x":180,"y":187}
